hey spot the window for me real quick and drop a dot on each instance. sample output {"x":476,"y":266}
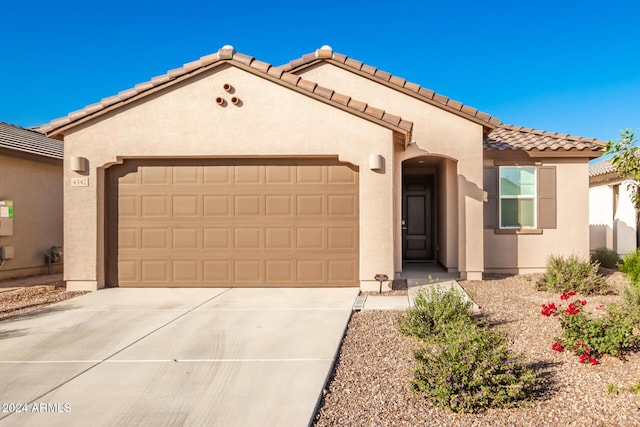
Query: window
{"x":517,"y":197}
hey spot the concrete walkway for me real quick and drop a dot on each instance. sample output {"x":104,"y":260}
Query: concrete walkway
{"x":173,"y":357}
{"x":402,"y":302}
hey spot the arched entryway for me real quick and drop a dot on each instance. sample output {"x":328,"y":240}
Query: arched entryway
{"x":429,"y":213}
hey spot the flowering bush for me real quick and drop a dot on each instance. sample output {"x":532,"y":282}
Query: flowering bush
{"x":589,"y":336}
{"x":469,"y":368}
{"x":432,"y":310}
{"x":462,"y":366}
{"x":572,"y":273}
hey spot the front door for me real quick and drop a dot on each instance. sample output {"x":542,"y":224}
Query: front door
{"x":417,"y":218}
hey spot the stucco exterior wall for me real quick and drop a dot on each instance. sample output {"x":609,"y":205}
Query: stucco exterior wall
{"x":435,"y":133}
{"x":34,"y":183}
{"x":601,"y":217}
{"x":526,"y":253}
{"x":612,"y":218}
{"x":624,"y":223}
{"x":185,"y":121}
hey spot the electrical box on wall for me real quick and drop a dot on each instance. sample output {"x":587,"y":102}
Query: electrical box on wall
{"x":6,"y":217}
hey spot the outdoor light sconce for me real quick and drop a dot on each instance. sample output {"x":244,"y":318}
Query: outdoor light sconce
{"x":80,"y":164}
{"x":376,"y":162}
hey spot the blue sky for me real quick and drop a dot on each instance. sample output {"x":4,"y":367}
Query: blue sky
{"x":563,"y":66}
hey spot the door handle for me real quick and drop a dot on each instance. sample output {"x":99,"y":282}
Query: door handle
{"x":404,"y":225}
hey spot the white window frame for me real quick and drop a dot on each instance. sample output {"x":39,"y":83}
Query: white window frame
{"x":534,"y":197}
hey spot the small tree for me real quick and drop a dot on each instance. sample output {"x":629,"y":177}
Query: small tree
{"x":626,"y":160}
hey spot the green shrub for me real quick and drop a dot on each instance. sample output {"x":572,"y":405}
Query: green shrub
{"x":469,"y":368}
{"x":432,"y":310}
{"x":607,"y":258}
{"x":572,"y":273}
{"x":631,"y":267}
{"x":583,"y":333}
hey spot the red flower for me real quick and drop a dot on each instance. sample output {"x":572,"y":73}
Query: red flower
{"x":584,"y":302}
{"x":548,"y":310}
{"x":572,"y":309}
{"x":557,"y":347}
{"x":593,"y":361}
{"x":566,"y":294}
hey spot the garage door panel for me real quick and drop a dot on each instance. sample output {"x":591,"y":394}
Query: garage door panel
{"x":310,"y":271}
{"x":187,"y":205}
{"x":250,"y":174}
{"x":310,"y":174}
{"x":217,"y":271}
{"x":156,"y":205}
{"x":341,"y":270}
{"x":247,"y":238}
{"x":281,"y":174}
{"x":217,"y":238}
{"x":247,"y":205}
{"x":245,"y":223}
{"x":341,"y":175}
{"x":278,"y":238}
{"x":310,"y":238}
{"x":278,"y":205}
{"x":217,"y":205}
{"x":247,"y":270}
{"x":342,"y":204}
{"x":186,"y":270}
{"x":129,"y":206}
{"x":154,"y":270}
{"x":186,"y":238}
{"x":280,"y":271}
{"x":310,"y":205}
{"x":154,"y":238}
{"x":341,"y":238}
{"x":187,"y":175}
{"x":155,"y":176}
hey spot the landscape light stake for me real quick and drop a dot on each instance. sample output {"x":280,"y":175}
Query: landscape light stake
{"x":381,"y":278}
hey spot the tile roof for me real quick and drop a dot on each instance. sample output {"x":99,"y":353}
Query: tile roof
{"x":519,"y":138}
{"x":227,"y":54}
{"x":29,"y":141}
{"x":602,"y":168}
{"x":325,"y":53}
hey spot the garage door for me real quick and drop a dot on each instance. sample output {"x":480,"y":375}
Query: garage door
{"x":240,"y":223}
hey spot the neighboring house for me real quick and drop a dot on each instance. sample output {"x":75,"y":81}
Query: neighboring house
{"x":323,"y":172}
{"x":31,"y":181}
{"x":612,"y":217}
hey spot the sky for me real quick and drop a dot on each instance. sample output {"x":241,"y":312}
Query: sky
{"x":562,"y":66}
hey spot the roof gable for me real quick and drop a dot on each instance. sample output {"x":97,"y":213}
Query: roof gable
{"x":326,"y":54}
{"x":227,"y":55}
{"x":29,"y":141}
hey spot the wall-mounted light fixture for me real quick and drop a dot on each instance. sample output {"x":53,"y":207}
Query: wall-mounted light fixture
{"x":376,"y":162}
{"x":79,"y":164}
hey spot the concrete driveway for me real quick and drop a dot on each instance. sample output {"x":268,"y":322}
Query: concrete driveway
{"x":173,"y":357}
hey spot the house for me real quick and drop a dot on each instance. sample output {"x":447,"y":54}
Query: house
{"x":612,"y":217}
{"x":30,"y":201}
{"x":323,"y":172}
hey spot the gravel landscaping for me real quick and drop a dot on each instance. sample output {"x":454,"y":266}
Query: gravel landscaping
{"x":370,"y":383}
{"x":23,"y":300}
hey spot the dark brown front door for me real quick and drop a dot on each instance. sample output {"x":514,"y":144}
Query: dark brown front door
{"x":417,"y":216}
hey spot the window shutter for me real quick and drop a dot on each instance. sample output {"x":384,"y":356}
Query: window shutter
{"x":547,"y":197}
{"x":490,"y":184}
